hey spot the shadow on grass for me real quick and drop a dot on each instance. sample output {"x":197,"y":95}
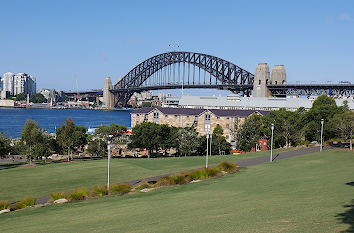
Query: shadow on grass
{"x":11,"y":165}
{"x":348,"y":216}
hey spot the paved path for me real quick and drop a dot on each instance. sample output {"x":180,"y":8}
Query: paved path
{"x":241,"y":163}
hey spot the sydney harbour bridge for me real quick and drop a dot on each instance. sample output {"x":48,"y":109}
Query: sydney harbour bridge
{"x":178,"y":70}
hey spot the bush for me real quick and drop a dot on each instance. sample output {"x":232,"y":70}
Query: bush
{"x":196,"y":174}
{"x":165,"y":181}
{"x":212,"y":171}
{"x":142,"y":185}
{"x":57,"y":196}
{"x":228,"y":166}
{"x":4,"y":205}
{"x":99,"y":190}
{"x":28,"y":201}
{"x":120,"y":188}
{"x":78,"y":194}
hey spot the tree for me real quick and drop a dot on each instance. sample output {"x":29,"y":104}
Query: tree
{"x":218,"y":133}
{"x":34,"y":140}
{"x":344,"y":124}
{"x":323,"y":107}
{"x":187,"y":140}
{"x":145,"y":136}
{"x":70,"y":136}
{"x":21,"y":97}
{"x":97,"y":147}
{"x":37,"y":98}
{"x":287,"y":128}
{"x":113,"y":129}
{"x":250,"y":132}
{"x":5,"y":145}
{"x":234,"y":130}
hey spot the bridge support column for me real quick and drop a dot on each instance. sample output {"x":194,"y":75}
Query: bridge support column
{"x":108,"y":97}
{"x":261,"y":79}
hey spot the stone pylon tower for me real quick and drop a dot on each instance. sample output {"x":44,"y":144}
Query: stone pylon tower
{"x":108,"y":97}
{"x":261,"y":79}
{"x":278,"y":75}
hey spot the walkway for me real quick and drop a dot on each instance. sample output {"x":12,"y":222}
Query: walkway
{"x":241,"y":163}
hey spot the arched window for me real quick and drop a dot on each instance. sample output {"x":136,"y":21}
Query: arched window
{"x":276,"y":82}
{"x":259,"y":82}
{"x":266,"y":81}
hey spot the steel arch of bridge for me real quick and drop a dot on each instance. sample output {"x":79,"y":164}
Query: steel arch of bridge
{"x":230,"y":76}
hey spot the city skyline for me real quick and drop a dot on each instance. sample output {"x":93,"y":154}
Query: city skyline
{"x":86,"y":41}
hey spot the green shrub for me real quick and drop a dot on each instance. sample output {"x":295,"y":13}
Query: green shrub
{"x":120,"y":188}
{"x":228,"y":166}
{"x":28,"y":201}
{"x":78,"y":194}
{"x":165,"y":181}
{"x":4,"y":205}
{"x":142,"y":185}
{"x":99,"y":190}
{"x":212,"y":171}
{"x":57,"y":195}
{"x":196,"y":174}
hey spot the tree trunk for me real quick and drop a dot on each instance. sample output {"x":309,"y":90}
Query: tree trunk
{"x":351,"y":141}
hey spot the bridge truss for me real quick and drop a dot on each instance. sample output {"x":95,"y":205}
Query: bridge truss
{"x":175,"y":70}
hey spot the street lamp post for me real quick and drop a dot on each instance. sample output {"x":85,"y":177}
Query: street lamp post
{"x":207,"y":138}
{"x":109,"y":158}
{"x":322,"y":121}
{"x":211,"y":142}
{"x":271,"y":144}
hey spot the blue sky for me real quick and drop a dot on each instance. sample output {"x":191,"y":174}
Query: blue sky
{"x":61,"y":41}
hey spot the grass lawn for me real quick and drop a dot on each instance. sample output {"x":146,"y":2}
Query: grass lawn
{"x":301,"y":194}
{"x":42,"y":180}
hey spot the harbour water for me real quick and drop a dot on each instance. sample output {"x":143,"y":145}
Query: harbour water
{"x":12,"y":120}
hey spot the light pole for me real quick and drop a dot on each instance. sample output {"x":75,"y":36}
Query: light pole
{"x":207,"y":138}
{"x":211,"y":142}
{"x":271,"y":144}
{"x":322,"y":121}
{"x":109,"y":158}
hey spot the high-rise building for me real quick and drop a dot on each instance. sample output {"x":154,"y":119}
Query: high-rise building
{"x":8,"y":83}
{"x":24,"y":83}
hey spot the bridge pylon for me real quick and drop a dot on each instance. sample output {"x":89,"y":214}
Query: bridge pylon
{"x":108,"y":97}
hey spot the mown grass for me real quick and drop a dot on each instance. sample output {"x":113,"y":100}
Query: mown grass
{"x":20,"y":182}
{"x":302,"y":194}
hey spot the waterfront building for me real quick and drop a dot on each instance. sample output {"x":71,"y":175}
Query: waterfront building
{"x":24,"y":83}
{"x":8,"y":83}
{"x":204,"y":120}
{"x":235,"y":102}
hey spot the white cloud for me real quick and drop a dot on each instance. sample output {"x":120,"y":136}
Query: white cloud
{"x":345,"y":17}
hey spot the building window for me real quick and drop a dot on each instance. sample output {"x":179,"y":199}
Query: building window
{"x":187,"y":116}
{"x":176,"y":116}
{"x":166,"y":116}
{"x":276,"y":82}
{"x":227,"y":126}
{"x":227,"y":118}
{"x":259,"y":82}
{"x":207,"y":117}
{"x":138,"y":114}
{"x":146,"y":117}
{"x":137,"y":122}
{"x":218,"y":118}
{"x":156,"y":117}
{"x":187,"y":124}
{"x":207,"y":127}
{"x":227,"y":137}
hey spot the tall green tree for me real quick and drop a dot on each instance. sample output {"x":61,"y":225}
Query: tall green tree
{"x":145,"y":136}
{"x":70,"y":136}
{"x":323,"y":107}
{"x":187,"y":141}
{"x":97,"y":147}
{"x":287,"y":127}
{"x":250,"y":132}
{"x":5,"y":145}
{"x":34,"y":140}
{"x":344,"y":124}
{"x":218,"y":133}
